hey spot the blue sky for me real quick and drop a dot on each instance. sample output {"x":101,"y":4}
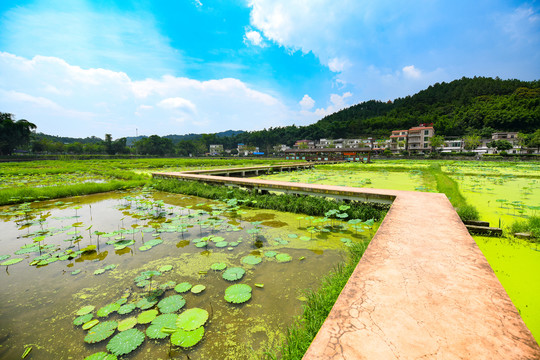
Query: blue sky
{"x":80,"y":68}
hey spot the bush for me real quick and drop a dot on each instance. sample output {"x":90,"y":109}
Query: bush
{"x":468,"y":212}
{"x":531,"y":226}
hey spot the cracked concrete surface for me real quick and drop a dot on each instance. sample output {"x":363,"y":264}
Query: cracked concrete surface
{"x":422,"y":290}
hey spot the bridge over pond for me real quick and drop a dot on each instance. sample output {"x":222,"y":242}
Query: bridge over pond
{"x":422,"y":290}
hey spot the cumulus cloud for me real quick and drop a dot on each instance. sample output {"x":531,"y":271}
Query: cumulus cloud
{"x":253,"y":38}
{"x":307,"y":102}
{"x":411,"y":72}
{"x":337,"y":65}
{"x":62,"y":99}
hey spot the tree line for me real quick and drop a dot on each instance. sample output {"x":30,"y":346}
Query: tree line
{"x":468,"y":107}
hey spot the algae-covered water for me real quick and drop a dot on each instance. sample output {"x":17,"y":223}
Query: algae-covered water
{"x":107,"y":251}
{"x":502,"y":192}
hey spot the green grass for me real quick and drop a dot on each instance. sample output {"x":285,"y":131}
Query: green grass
{"x":304,"y":204}
{"x":531,"y":225}
{"x":450,"y":188}
{"x":25,"y":194}
{"x":316,"y":309}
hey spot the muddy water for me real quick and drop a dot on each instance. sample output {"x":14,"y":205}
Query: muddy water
{"x":38,"y":303}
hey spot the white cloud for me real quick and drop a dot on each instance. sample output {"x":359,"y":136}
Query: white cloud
{"x":307,"y":102}
{"x":198,"y":3}
{"x":337,"y":65}
{"x":254,"y":38}
{"x":62,"y":99}
{"x":177,"y":103}
{"x":411,"y":72}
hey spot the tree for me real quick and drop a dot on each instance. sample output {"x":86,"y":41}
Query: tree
{"x":471,"y":142}
{"x":534,"y":140}
{"x":500,"y":145}
{"x":13,"y":133}
{"x":436,"y":142}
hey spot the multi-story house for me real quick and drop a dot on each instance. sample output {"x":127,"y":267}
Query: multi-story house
{"x":216,"y":149}
{"x":418,"y":138}
{"x":398,"y":140}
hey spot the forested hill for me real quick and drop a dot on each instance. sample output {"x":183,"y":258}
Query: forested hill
{"x":466,"y":106}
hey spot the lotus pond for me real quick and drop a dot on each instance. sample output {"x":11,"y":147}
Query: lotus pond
{"x":152,"y":275}
{"x":502,"y":192}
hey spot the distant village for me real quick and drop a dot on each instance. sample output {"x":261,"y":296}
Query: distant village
{"x":416,"y":140}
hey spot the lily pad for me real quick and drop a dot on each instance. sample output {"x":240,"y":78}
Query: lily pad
{"x":283,"y":257}
{"x":187,"y":339}
{"x":191,"y":319}
{"x":238,"y":293}
{"x":100,"y":332}
{"x":4,"y":257}
{"x":146,"y":303}
{"x":107,"y":309}
{"x":89,"y":324}
{"x":218,"y":266}
{"x":101,"y":356}
{"x":82,"y":319}
{"x":198,"y":289}
{"x":165,"y":268}
{"x":270,"y":253}
{"x":222,"y":244}
{"x":166,"y":320}
{"x":251,"y":260}
{"x":233,"y":274}
{"x":171,"y":304}
{"x":127,"y":324}
{"x":11,"y":261}
{"x":125,"y":342}
{"x":182,"y":287}
{"x":154,"y":332}
{"x":126,"y":309}
{"x":85,"y":310}
{"x":147,"y":316}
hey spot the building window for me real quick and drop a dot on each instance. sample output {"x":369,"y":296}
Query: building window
{"x":426,"y":132}
{"x":426,"y":138}
{"x":425,"y":146}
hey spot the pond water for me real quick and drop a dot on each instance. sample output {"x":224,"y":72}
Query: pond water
{"x":124,"y":248}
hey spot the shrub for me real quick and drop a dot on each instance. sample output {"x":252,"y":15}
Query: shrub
{"x":468,"y":212}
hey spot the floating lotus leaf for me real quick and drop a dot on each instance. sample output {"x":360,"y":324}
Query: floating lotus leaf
{"x":4,"y":257}
{"x":233,"y":274}
{"x":121,"y":301}
{"x":85,"y":310}
{"x":12,"y":261}
{"x":191,"y":319}
{"x":146,"y":303}
{"x":76,"y":272}
{"x":125,"y":342}
{"x":101,"y":356}
{"x":99,"y":271}
{"x":145,"y":247}
{"x":147,"y":316}
{"x":217,"y":239}
{"x":168,"y":285}
{"x":283,"y":257}
{"x":270,"y":254}
{"x":222,"y":244}
{"x":165,"y":268}
{"x":154,"y":332}
{"x":218,"y":266}
{"x":171,"y":304}
{"x":100,"y":332}
{"x":198,"y":289}
{"x":143,"y":283}
{"x":126,"y":309}
{"x":166,"y":320}
{"x":187,"y":339}
{"x":292,"y":236}
{"x":89,"y":324}
{"x":182,"y":287}
{"x":201,"y":244}
{"x":107,"y":309}
{"x":234,"y":243}
{"x":153,"y":242}
{"x":238,"y":293}
{"x":82,"y":319}
{"x":251,"y":260}
{"x":127,"y":324}
{"x":305,"y":238}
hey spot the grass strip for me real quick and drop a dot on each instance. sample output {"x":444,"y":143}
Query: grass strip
{"x":305,"y":204}
{"x":316,"y":309}
{"x":24,"y":194}
{"x":450,"y":188}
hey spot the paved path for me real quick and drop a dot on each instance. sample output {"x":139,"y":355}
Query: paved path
{"x":422,"y":290}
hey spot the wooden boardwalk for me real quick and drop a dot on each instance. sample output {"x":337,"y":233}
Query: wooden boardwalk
{"x":422,"y":290}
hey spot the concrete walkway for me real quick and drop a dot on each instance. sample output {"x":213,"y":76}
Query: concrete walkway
{"x":422,"y":290}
